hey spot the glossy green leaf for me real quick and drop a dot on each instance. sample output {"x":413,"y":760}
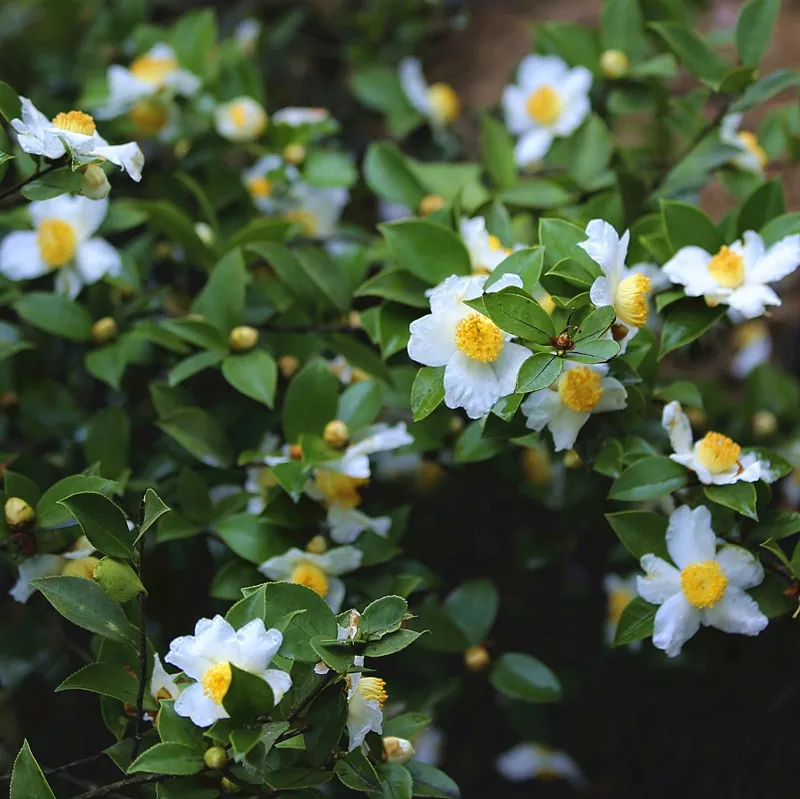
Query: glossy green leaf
{"x":55,"y":314}
{"x":687,"y":320}
{"x":427,"y":392}
{"x":102,"y":522}
{"x":635,"y":623}
{"x":539,"y":371}
{"x":430,"y":251}
{"x":27,"y":779}
{"x":254,"y":374}
{"x":740,"y":497}
{"x":649,"y":478}
{"x":523,"y":677}
{"x":641,"y":532}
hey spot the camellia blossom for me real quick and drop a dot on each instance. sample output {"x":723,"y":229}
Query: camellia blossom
{"x":365,"y":699}
{"x":753,"y":347}
{"x":319,"y":572}
{"x":375,"y":438}
{"x":316,"y":210}
{"x":297,"y":117}
{"x":624,"y":288}
{"x":481,"y":363}
{"x":715,"y":458}
{"x":548,"y":100}
{"x":437,"y":102}
{"x":62,"y":243}
{"x":486,"y":251}
{"x":241,"y":120}
{"x":75,"y":134}
{"x":529,"y":761}
{"x":267,"y":182}
{"x":737,"y":275}
{"x":77,"y":561}
{"x":619,"y":592}
{"x":707,"y":587}
{"x":162,"y":684}
{"x":565,"y":407}
{"x":752,"y":157}
{"x":207,"y":657}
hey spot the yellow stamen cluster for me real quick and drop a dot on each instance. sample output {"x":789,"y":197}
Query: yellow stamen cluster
{"x":544,"y":105}
{"x":57,"y":242}
{"x":372,"y":689}
{"x":630,"y":300}
{"x":445,"y":102}
{"x":216,"y":681}
{"x":149,"y":118}
{"x":75,"y":122}
{"x":717,"y":453}
{"x":309,"y":224}
{"x":260,"y":187}
{"x":339,"y":489}
{"x":750,"y":140}
{"x":580,"y":389}
{"x":431,"y":203}
{"x":479,"y":338}
{"x":703,"y":584}
{"x":311,"y":576}
{"x":727,"y":268}
{"x":153,"y":71}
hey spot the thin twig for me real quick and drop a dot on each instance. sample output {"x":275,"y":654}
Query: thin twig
{"x":56,"y":769}
{"x":312,"y":695}
{"x":35,"y":176}
{"x":137,"y":742}
{"x":138,"y":779}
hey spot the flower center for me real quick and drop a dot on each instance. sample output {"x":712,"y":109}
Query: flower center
{"x":153,"y":70}
{"x":57,"y":242}
{"x":544,"y":105}
{"x":311,"y":576}
{"x":631,"y":300}
{"x":339,"y":489}
{"x":306,"y":219}
{"x":580,"y":389}
{"x":717,"y":453}
{"x":479,"y":338}
{"x":750,"y":140}
{"x":260,"y":187}
{"x":217,"y":680}
{"x":149,"y":118}
{"x":703,"y":584}
{"x":75,"y":122}
{"x":444,"y":101}
{"x":372,"y":689}
{"x":82,"y":567}
{"x":727,"y":268}
{"x":617,"y":602}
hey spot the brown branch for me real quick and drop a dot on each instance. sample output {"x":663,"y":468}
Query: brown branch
{"x":138,"y":779}
{"x":37,"y":174}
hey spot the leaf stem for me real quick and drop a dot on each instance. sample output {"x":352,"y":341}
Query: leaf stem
{"x":138,"y":779}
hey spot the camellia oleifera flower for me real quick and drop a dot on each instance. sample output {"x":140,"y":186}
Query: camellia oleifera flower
{"x":753,"y":347}
{"x":530,"y":761}
{"x":737,"y":275}
{"x":486,"y":251}
{"x":267,"y":182}
{"x":704,"y":586}
{"x":207,"y":657}
{"x":72,"y":133}
{"x":624,"y":288}
{"x":548,"y":100}
{"x":316,"y":210}
{"x":437,"y":102}
{"x":162,"y":684}
{"x":619,"y":592}
{"x":77,"y":561}
{"x":365,"y":699}
{"x":61,"y":242}
{"x":318,"y":571}
{"x":481,"y":363}
{"x":241,"y":120}
{"x":752,"y":157}
{"x":715,"y":458}
{"x":565,"y":407}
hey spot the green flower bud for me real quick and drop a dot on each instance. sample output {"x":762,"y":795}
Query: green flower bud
{"x":216,"y":757}
{"x":95,"y":183}
{"x":243,"y":338}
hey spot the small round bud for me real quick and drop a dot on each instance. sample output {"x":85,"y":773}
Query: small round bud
{"x":455,"y":425}
{"x":397,"y":750}
{"x":430,"y":203}
{"x":82,"y":567}
{"x":295,"y":452}
{"x":117,"y":579}
{"x":95,"y":183}
{"x":354,"y":319}
{"x":317,"y":545}
{"x":215,"y":757}
{"x":764,"y":424}
{"x":477,"y":658}
{"x":243,"y":338}
{"x":294,"y":153}
{"x":205,"y":233}
{"x":614,"y":64}
{"x":18,"y":513}
{"x":336,"y":434}
{"x":104,"y":330}
{"x":572,"y":460}
{"x":229,"y":787}
{"x":288,"y":365}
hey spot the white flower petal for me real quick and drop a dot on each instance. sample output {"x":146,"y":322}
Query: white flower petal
{"x":678,"y":428}
{"x":31,"y":569}
{"x":279,"y":681}
{"x":507,"y":367}
{"x":68,"y":282}
{"x":565,"y":426}
{"x":432,"y":341}
{"x":741,"y":566}
{"x":603,"y":246}
{"x":381,"y":438}
{"x":256,"y":646}
{"x":515,"y":110}
{"x":532,"y":146}
{"x":660,"y":582}
{"x":339,"y":560}
{"x":160,"y":680}
{"x":195,"y":704}
{"x":362,"y":717}
{"x":780,"y":260}
{"x":539,"y":70}
{"x":414,"y":85}
{"x":20,"y":257}
{"x":127,"y":156}
{"x":614,"y":397}
{"x":600,"y":292}
{"x":736,"y":612}
{"x":689,"y":268}
{"x":575,"y":110}
{"x":750,"y":356}
{"x":522,"y":762}
{"x":280,"y":567}
{"x":690,"y":538}
{"x":95,"y":259}
{"x":751,"y":300}
{"x":335,"y":595}
{"x":470,"y":385}
{"x":540,"y":407}
{"x":675,"y":623}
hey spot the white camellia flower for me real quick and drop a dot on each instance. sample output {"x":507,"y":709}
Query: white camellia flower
{"x":241,"y":120}
{"x":738,"y":274}
{"x":565,"y":407}
{"x":626,"y":289}
{"x":246,"y":34}
{"x":162,"y":684}
{"x":72,"y":133}
{"x":438,"y":103}
{"x":319,"y":572}
{"x":316,"y":210}
{"x":61,"y":242}
{"x":429,"y":746}
{"x":528,"y":761}
{"x":707,"y":587}
{"x":207,"y":657}
{"x":365,"y":699}
{"x":266,"y":182}
{"x":752,"y":157}
{"x":715,"y":458}
{"x":77,"y":561}
{"x":486,"y":252}
{"x":619,"y":592}
{"x":297,"y":117}
{"x":375,"y":438}
{"x":481,"y":364}
{"x":548,"y":100}
{"x":753,"y":347}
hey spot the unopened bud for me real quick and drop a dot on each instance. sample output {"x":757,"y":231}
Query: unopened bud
{"x":229,"y":787}
{"x":295,"y":452}
{"x":294,"y":153}
{"x":430,"y":203}
{"x":336,"y":434}
{"x":288,"y":365}
{"x":572,"y":460}
{"x":205,"y":233}
{"x":614,"y":64}
{"x":397,"y":750}
{"x":95,"y":183}
{"x":215,"y":757}
{"x":81,"y":567}
{"x":117,"y":579}
{"x":18,"y":513}
{"x":243,"y":338}
{"x":455,"y":425}
{"x":104,"y":330}
{"x":477,"y":658}
{"x":317,"y":545}
{"x":354,"y":319}
{"x":764,"y":424}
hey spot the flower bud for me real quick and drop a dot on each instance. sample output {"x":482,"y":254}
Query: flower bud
{"x":430,"y":203}
{"x":336,"y":434}
{"x":228,"y":787}
{"x":104,"y":330}
{"x":764,"y":424}
{"x":294,"y":153}
{"x":572,"y":460}
{"x":18,"y":513}
{"x":354,"y":319}
{"x":295,"y":452}
{"x":205,"y":233}
{"x":397,"y":750}
{"x":477,"y":658}
{"x":215,"y":757}
{"x":288,"y":365}
{"x":243,"y":338}
{"x":614,"y":64}
{"x":117,"y":579}
{"x":317,"y":545}
{"x":95,"y":183}
{"x":455,"y":425}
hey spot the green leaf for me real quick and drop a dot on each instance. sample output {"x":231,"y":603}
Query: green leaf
{"x":310,"y":401}
{"x":397,"y":285}
{"x":107,"y":679}
{"x":10,"y":348}
{"x":649,"y":478}
{"x":254,"y":374}
{"x":777,"y":524}
{"x":523,"y":677}
{"x":594,"y":351}
{"x":596,"y":323}
{"x":430,"y":781}
{"x":766,"y":88}
{"x":764,"y":204}
{"x":622,"y":28}
{"x":387,"y":173}
{"x":199,"y":332}
{"x":55,"y":314}
{"x":327,"y":168}
{"x":52,"y":185}
{"x":50,"y":514}
{"x":406,"y":725}
{"x":169,"y":758}
{"x":683,"y":391}
{"x":636,"y":622}
{"x":691,"y":51}
{"x":526,"y":263}
{"x":391,"y":643}
{"x":102,"y":522}
{"x":754,"y":26}
{"x":326,"y":275}
{"x":294,"y":778}
{"x":248,"y":696}
{"x":86,"y":605}
{"x":396,"y":781}
{"x":497,"y":150}
{"x":560,"y":239}
{"x":687,"y":225}
{"x":27,"y":779}
{"x":221,"y":301}
{"x":641,"y":532}
{"x":357,"y":773}
{"x":473,"y":607}
{"x":10,"y":108}
{"x":194,"y":364}
{"x":194,"y":39}
{"x":539,"y":371}
{"x":154,"y":509}
{"x":515,"y":312}
{"x":782,"y":226}
{"x":108,"y":441}
{"x":430,"y":251}
{"x":360,"y":404}
{"x":594,"y":146}
{"x":326,"y":718}
{"x":427,"y":392}
{"x":169,"y":220}
{"x":537,"y":193}
{"x":250,"y":537}
{"x":17,"y":485}
{"x":383,"y":616}
{"x":740,"y":497}
{"x":199,"y":434}
{"x":687,"y":320}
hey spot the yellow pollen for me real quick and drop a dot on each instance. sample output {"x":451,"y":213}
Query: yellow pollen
{"x":749,"y":333}
{"x":238,"y":115}
{"x":372,"y":689}
{"x":703,"y":584}
{"x":617,"y":602}
{"x":445,"y":102}
{"x":544,"y":105}
{"x":311,"y":576}
{"x":479,"y":338}
{"x":631,"y":300}
{"x":75,"y":122}
{"x":216,"y":681}
{"x":308,"y":221}
{"x":750,"y":140}
{"x":580,"y":389}
{"x":495,"y":243}
{"x":57,"y":242}
{"x":717,"y":452}
{"x":727,"y":268}
{"x":82,"y":567}
{"x":260,"y":187}
{"x":153,"y":70}
{"x":339,"y":489}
